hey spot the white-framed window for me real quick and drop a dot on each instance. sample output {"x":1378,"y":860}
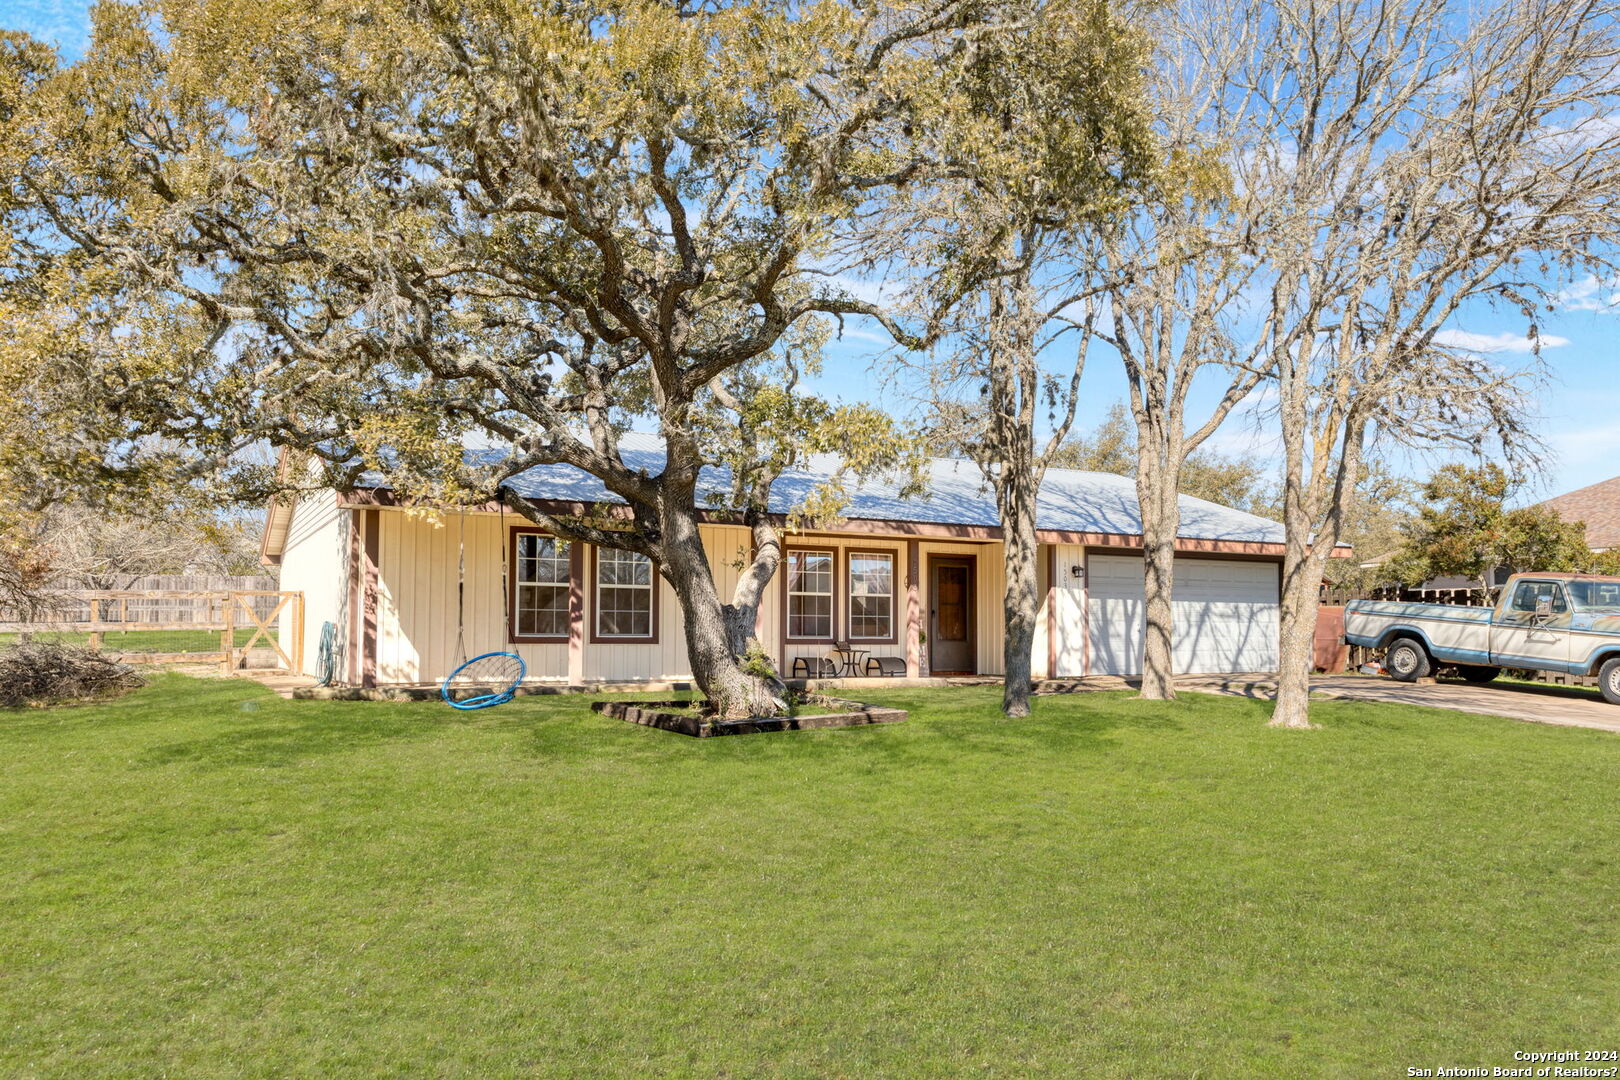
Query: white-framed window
{"x":540,"y":587}
{"x":626,"y":596}
{"x":809,"y":595}
{"x":871,"y":595}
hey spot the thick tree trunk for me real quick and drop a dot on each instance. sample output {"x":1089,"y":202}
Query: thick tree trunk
{"x":1021,"y":599}
{"x":709,"y":639}
{"x":1161,"y":520}
{"x":1301,"y":577}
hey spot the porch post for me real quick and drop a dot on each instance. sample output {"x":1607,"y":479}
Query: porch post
{"x":368,"y":669}
{"x":1051,"y":612}
{"x":576,"y":614}
{"x":913,"y":614}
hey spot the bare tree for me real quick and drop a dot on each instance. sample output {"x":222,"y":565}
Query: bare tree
{"x":1426,"y":159}
{"x":1050,"y":138}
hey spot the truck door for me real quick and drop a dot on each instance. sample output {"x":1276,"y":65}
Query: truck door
{"x":1531,"y":630}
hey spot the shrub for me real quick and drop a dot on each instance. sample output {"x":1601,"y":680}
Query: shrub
{"x":44,"y":673}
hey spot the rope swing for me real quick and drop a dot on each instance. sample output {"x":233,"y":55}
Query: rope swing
{"x":491,"y":678}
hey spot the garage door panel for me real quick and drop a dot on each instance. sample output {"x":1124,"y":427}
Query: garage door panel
{"x":1225,"y":616}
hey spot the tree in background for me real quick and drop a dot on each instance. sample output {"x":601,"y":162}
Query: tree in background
{"x":1466,"y":529}
{"x":1050,"y":138}
{"x":367,"y":231}
{"x":1242,"y":482}
{"x":1375,"y":525}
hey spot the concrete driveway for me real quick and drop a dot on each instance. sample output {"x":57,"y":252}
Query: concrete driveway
{"x":1516,"y":701}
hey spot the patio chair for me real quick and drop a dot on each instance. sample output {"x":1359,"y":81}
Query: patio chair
{"x":815,"y":667}
{"x":888,"y":667}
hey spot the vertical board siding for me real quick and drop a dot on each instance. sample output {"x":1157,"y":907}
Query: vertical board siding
{"x":315,"y":562}
{"x":785,"y":654}
{"x":1069,"y":594}
{"x":416,"y":638}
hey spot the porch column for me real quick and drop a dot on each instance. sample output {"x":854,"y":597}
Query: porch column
{"x":368,"y":670}
{"x":913,"y":613}
{"x":1051,"y":612}
{"x":576,"y":614}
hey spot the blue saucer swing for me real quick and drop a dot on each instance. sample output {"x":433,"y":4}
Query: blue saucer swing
{"x":491,"y":678}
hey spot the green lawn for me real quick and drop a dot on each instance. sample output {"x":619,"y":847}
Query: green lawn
{"x":202,"y":880}
{"x":151,"y":641}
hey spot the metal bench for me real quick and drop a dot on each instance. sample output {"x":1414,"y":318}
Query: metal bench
{"x":815,"y":667}
{"x":887,"y":666}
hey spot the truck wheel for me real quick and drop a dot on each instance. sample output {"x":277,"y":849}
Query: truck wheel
{"x":1476,"y":673}
{"x":1407,"y":660}
{"x":1609,"y":680}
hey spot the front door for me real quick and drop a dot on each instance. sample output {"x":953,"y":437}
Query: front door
{"x":950,"y":616}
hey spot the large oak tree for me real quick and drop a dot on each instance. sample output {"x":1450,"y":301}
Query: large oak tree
{"x":370,"y":231}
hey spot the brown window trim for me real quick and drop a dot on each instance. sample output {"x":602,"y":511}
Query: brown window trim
{"x":596,"y":607}
{"x":894,"y":595}
{"x":832,"y":637}
{"x":512,"y":635}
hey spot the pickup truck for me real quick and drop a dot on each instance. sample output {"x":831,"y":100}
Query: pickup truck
{"x":1541,"y":622}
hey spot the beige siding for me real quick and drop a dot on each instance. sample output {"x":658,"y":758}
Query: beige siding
{"x":1070,"y":595}
{"x":417,"y":559}
{"x":417,"y":573}
{"x":315,"y":562}
{"x":771,"y":610}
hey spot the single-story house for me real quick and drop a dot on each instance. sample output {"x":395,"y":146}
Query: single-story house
{"x":916,"y":579}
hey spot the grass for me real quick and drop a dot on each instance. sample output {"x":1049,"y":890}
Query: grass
{"x":149,"y":641}
{"x":202,"y":880}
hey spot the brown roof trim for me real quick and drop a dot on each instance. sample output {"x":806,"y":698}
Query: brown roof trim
{"x":871,"y":526}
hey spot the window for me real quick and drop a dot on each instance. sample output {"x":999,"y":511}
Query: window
{"x":625,"y":596}
{"x":1530,"y":593}
{"x":809,"y":595}
{"x":871,"y":596}
{"x":540,"y":587}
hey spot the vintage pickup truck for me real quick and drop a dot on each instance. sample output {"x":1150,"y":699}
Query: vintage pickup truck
{"x":1541,"y":622}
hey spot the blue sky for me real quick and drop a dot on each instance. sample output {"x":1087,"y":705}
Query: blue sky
{"x":1580,"y":409}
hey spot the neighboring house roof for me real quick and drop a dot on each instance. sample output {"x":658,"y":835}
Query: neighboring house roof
{"x":1599,"y":506}
{"x":1069,"y":500}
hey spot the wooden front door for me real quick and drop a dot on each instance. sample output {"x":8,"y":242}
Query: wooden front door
{"x":950,"y":616}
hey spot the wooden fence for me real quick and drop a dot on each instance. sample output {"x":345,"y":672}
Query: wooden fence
{"x":97,"y":613}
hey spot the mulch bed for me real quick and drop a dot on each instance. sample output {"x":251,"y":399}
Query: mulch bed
{"x":679,"y":717}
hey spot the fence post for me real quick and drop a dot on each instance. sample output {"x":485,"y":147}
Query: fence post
{"x":298,"y":634}
{"x":227,"y":636}
{"x":95,"y":619}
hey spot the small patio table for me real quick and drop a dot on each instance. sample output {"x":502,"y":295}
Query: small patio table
{"x":852,"y":657}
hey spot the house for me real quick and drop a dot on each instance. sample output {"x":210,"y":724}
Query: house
{"x":916,"y":579}
{"x":1598,"y":505}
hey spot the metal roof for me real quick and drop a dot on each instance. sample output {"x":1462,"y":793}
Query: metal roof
{"x":1069,"y":500}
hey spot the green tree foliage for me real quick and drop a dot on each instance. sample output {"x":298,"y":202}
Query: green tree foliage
{"x":371,"y":231}
{"x":1466,"y":529}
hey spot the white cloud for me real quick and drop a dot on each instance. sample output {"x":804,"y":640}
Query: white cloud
{"x":1591,"y":294}
{"x":1496,"y":343}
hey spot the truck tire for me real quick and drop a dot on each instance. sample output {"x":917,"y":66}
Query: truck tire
{"x":1407,"y":660}
{"x":1478,"y":673}
{"x":1609,"y":680}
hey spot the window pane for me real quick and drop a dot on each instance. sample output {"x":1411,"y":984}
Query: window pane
{"x":624,"y":596}
{"x":542,"y":610}
{"x":541,"y":559}
{"x":871,"y":595}
{"x":810,"y":592}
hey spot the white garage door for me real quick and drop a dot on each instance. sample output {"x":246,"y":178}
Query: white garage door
{"x":1225,"y":615}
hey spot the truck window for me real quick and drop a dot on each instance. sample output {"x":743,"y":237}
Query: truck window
{"x":1526,"y":596}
